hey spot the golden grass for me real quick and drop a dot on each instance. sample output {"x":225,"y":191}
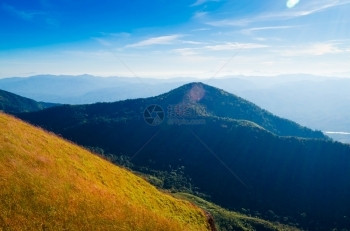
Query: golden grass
{"x":47,"y":183}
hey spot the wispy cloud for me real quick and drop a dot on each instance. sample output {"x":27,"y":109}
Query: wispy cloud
{"x":161,"y":40}
{"x":103,"y":42}
{"x":201,"y":2}
{"x":230,"y":22}
{"x":192,"y":42}
{"x":200,"y":15}
{"x":235,"y":46}
{"x":307,"y":9}
{"x":315,"y":8}
{"x":25,"y":15}
{"x":111,"y":39}
{"x":316,"y":49}
{"x":254,"y":29}
{"x":191,"y":51}
{"x":201,"y":29}
{"x":185,"y":51}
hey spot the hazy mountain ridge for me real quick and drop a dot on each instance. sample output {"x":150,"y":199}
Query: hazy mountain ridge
{"x":321,"y":103}
{"x":236,"y":162}
{"x":84,"y":89}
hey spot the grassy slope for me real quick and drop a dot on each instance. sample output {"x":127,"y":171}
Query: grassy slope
{"x":48,"y":183}
{"x":229,"y":220}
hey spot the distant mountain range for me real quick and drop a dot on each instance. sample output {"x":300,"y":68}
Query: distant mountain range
{"x":238,"y":154}
{"x":85,"y":89}
{"x":321,"y":103}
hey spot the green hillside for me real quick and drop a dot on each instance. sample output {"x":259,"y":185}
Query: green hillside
{"x":47,"y":183}
{"x":12,"y":103}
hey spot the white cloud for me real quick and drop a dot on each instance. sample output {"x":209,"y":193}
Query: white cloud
{"x":308,"y":9}
{"x":192,"y":42}
{"x":201,"y":29}
{"x":103,"y":42}
{"x":200,"y":14}
{"x":250,"y":30}
{"x":201,"y":2}
{"x":235,"y":46}
{"x":229,"y":22}
{"x":161,"y":40}
{"x":111,"y":39}
{"x":192,"y":51}
{"x":203,"y":50}
{"x":317,"y":49}
{"x":315,"y":8}
{"x":185,"y":51}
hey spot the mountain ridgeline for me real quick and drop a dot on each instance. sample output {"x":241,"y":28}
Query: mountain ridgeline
{"x":218,"y":103}
{"x":237,"y":154}
{"x":213,"y":102}
{"x":316,"y":102}
{"x":85,"y":89}
{"x":12,"y":103}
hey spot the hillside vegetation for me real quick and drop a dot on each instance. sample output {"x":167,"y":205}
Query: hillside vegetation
{"x":47,"y":183}
{"x":226,"y":220}
{"x":12,"y":103}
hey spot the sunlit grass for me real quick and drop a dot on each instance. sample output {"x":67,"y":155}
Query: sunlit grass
{"x":47,"y":183}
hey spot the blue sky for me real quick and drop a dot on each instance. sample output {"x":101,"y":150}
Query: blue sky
{"x":162,"y":38}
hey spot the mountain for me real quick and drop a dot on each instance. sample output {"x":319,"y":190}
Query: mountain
{"x":226,"y":148}
{"x":317,"y":102}
{"x":213,"y":102}
{"x":12,"y":103}
{"x":321,"y":103}
{"x":83,"y":89}
{"x":49,"y":183}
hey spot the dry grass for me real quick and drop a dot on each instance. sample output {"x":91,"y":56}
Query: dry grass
{"x":47,"y":183}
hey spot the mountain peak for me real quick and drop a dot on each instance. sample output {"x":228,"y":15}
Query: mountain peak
{"x":219,"y":103}
{"x":194,"y":92}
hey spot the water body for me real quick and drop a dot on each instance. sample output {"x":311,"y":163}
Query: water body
{"x":343,"y":137}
